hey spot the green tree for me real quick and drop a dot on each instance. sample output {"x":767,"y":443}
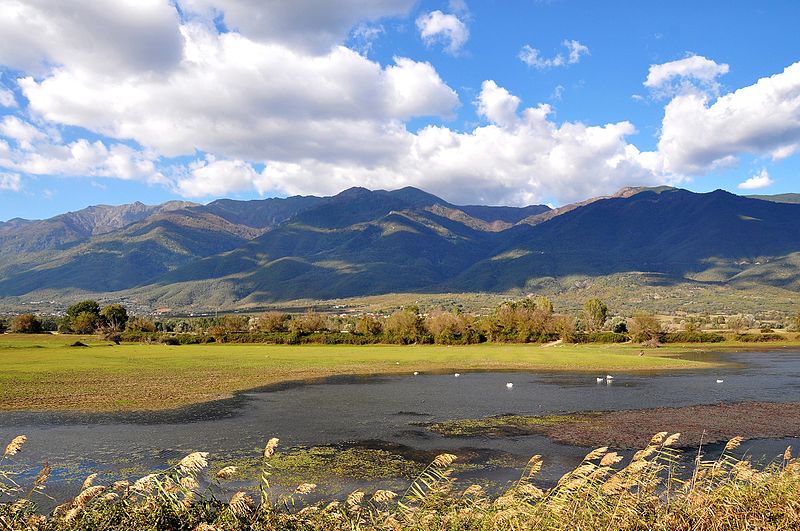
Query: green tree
{"x":736,"y":323}
{"x":565,"y":326}
{"x":369,"y":325}
{"x":26,"y":323}
{"x":595,"y":313}
{"x":84,"y":323}
{"x":273,"y":322}
{"x":618,"y":325}
{"x":88,"y":305}
{"x":544,"y":304}
{"x":446,"y":327}
{"x":3,"y":325}
{"x":114,"y":316}
{"x":236,"y":323}
{"x":308,"y":323}
{"x":692,"y":324}
{"x":797,"y":322}
{"x":405,"y":326}
{"x":644,"y":327}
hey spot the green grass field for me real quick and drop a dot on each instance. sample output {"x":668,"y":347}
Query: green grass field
{"x":42,"y":372}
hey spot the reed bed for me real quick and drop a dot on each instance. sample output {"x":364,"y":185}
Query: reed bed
{"x":651,"y":490}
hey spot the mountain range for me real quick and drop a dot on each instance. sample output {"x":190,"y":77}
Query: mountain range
{"x":359,"y":242}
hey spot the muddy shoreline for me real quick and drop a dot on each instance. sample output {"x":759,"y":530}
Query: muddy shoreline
{"x":630,"y":429}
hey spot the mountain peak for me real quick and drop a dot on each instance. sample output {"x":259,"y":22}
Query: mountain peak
{"x":630,"y":191}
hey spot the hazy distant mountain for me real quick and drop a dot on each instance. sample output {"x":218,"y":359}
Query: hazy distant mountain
{"x":363,"y":242}
{"x":778,"y":198}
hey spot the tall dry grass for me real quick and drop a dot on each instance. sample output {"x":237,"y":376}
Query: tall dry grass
{"x":649,"y":491}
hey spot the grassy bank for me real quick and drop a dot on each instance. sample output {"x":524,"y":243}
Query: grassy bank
{"x":43,"y":372}
{"x":651,"y":491}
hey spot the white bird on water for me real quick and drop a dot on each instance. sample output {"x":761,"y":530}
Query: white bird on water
{"x":509,"y":385}
{"x":416,"y":373}
{"x":609,"y":377}
{"x":720,"y":381}
{"x":457,"y":374}
{"x":599,"y":379}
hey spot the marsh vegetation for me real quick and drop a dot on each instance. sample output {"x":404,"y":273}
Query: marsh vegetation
{"x":651,"y":490}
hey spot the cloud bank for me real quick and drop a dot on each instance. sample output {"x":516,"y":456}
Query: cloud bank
{"x":212,"y":97}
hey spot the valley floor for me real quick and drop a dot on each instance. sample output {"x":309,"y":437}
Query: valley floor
{"x":44,"y":373}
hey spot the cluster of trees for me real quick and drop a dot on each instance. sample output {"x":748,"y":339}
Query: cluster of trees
{"x":524,"y":321}
{"x":85,"y":317}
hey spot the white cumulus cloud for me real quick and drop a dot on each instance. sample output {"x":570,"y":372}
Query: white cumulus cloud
{"x":212,"y":177}
{"x":756,"y":182}
{"x":243,"y":99}
{"x":678,"y":76}
{"x":21,"y":131}
{"x":532,"y":56}
{"x":438,"y":27}
{"x":699,"y":133}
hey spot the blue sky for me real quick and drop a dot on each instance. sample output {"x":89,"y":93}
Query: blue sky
{"x":501,"y":102}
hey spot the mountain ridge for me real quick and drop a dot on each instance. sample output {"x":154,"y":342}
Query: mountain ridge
{"x":361,"y":242}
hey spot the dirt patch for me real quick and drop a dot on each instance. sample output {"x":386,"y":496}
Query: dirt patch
{"x":634,"y":428}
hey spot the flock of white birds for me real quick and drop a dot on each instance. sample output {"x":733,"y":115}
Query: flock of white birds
{"x":600,"y":379}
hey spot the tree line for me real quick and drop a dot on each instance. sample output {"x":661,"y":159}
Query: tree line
{"x":529,"y":320}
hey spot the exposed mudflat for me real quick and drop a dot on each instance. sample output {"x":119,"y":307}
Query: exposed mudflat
{"x":702,"y":424}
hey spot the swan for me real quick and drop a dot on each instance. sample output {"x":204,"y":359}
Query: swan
{"x":609,"y":377}
{"x":457,"y":374}
{"x":720,"y":381}
{"x":416,"y":373}
{"x":599,"y":379}
{"x":509,"y":385}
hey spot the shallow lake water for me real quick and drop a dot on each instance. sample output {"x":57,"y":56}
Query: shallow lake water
{"x":385,"y":412}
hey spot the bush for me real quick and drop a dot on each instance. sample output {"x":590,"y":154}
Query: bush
{"x":644,"y":327}
{"x":758,"y":338}
{"x":27,"y":323}
{"x":600,"y":337}
{"x":405,"y":326}
{"x":140,"y":324}
{"x":273,"y":322}
{"x":691,"y":337}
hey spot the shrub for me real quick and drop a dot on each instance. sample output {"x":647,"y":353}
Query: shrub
{"x":308,"y":323}
{"x":369,"y":325}
{"x":644,"y":327}
{"x":405,"y":326}
{"x":273,"y":322}
{"x":691,"y":337}
{"x":600,"y":337}
{"x":140,"y":324}
{"x":26,"y":323}
{"x":758,"y":338}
